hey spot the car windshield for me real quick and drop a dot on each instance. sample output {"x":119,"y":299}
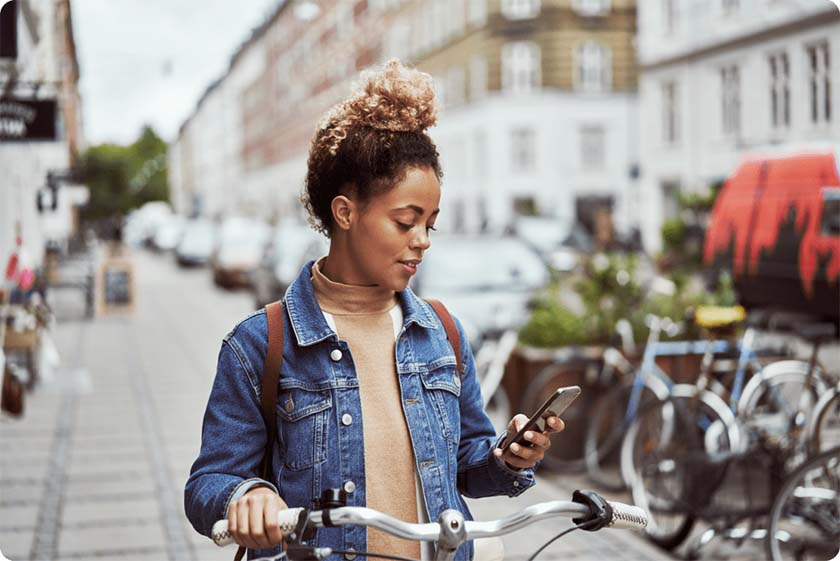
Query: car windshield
{"x":482,"y":264}
{"x":198,"y":236}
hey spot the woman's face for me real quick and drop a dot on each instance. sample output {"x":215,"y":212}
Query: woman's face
{"x":390,"y":233}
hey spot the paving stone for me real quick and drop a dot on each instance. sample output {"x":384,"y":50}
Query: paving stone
{"x":77,"y":512}
{"x":16,"y":546}
{"x":74,"y":541}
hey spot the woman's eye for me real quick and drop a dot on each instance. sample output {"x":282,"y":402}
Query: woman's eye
{"x":405,"y":227}
{"x":432,"y":228}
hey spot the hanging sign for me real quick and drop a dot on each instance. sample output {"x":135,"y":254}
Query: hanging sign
{"x":27,"y":119}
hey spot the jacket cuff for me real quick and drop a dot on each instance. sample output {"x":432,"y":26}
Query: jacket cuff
{"x":512,"y":481}
{"x":245,"y":486}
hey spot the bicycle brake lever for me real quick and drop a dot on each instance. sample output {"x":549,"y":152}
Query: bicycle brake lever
{"x":600,"y":510}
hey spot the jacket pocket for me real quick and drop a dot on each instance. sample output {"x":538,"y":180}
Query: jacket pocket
{"x":442,"y":386}
{"x":302,"y":417}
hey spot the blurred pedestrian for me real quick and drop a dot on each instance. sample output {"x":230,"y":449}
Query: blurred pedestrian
{"x":370,"y":398}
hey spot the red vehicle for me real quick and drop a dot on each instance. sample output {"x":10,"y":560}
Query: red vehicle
{"x":776,"y":226}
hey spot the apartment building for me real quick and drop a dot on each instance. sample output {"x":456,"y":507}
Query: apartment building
{"x":724,"y":77}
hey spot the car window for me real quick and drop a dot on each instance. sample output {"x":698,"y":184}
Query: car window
{"x":830,"y":222}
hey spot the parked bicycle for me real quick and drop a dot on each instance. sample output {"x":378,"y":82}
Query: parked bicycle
{"x":300,"y":525}
{"x":804,"y":522}
{"x":685,"y":460}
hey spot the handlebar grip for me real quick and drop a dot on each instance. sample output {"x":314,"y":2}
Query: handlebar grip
{"x":288,"y":519}
{"x":627,"y":517}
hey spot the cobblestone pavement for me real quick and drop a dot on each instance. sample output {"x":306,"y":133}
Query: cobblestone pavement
{"x":95,"y":469}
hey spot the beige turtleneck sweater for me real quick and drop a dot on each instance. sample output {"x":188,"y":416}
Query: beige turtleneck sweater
{"x":362,"y":316}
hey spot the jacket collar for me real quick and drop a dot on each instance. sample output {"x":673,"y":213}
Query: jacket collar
{"x":308,"y":321}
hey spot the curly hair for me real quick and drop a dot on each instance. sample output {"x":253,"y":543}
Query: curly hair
{"x":365,"y":145}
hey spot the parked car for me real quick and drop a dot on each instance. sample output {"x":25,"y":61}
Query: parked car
{"x":197,"y":244}
{"x":488,"y":282}
{"x":168,"y":233}
{"x":241,"y":245}
{"x":776,"y":226}
{"x":291,"y":246}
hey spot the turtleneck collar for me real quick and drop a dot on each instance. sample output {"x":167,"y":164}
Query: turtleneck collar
{"x":337,"y":298}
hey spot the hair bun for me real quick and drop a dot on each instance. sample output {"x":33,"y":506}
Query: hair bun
{"x":393,"y":98}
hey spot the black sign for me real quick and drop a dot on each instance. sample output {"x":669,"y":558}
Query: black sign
{"x":117,"y":287}
{"x":24,"y":120}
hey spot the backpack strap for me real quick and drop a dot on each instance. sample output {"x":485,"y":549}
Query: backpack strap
{"x":268,"y":395}
{"x":451,"y":331}
{"x":271,"y":375}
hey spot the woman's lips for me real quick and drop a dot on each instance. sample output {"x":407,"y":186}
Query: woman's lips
{"x":409,"y":268}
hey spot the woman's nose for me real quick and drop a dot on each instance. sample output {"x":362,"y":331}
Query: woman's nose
{"x":421,"y":241}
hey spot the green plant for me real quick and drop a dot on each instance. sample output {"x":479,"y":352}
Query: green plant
{"x":553,"y":325}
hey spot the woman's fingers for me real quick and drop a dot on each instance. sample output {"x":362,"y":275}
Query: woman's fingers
{"x":272,"y":520}
{"x":253,"y":520}
{"x":554,"y":424}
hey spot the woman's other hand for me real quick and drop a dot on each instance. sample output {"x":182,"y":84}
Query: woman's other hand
{"x":253,"y":521}
{"x":521,"y":457}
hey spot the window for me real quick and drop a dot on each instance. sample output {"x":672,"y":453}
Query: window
{"x":455,"y":86}
{"x":779,"y":90}
{"x":478,"y":77}
{"x":480,"y":149}
{"x":592,"y":147}
{"x":523,"y":150}
{"x":730,"y":85}
{"x":670,"y":15}
{"x":521,"y":67}
{"x":520,"y":9}
{"x":593,"y":72}
{"x":591,"y":7}
{"x":819,"y":82}
{"x":830,"y":221}
{"x":730,"y":6}
{"x":670,"y":113}
{"x":8,"y":30}
{"x":477,"y":12}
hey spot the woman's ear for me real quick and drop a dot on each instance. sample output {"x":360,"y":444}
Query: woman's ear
{"x":343,"y":211}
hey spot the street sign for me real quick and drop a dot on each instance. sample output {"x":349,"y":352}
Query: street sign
{"x":23,"y":120}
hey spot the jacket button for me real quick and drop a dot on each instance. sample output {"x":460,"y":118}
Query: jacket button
{"x":349,"y":487}
{"x":335,"y":355}
{"x":350,"y":555}
{"x":347,"y":419}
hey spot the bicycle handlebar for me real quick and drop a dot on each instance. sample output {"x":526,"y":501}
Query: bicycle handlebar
{"x":619,"y":516}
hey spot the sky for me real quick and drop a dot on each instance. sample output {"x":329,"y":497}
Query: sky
{"x":149,"y":62}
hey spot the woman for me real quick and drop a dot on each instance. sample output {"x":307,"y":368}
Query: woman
{"x":369,"y":398}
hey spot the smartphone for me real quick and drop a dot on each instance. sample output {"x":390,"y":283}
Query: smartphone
{"x":557,"y":402}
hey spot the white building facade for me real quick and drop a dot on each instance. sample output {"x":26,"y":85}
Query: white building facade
{"x":538,"y":98}
{"x":719,"y":78}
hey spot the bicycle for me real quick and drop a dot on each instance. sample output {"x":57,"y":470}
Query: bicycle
{"x":299,"y":525}
{"x":666,"y":444}
{"x":638,"y":388}
{"x":804,"y":522}
{"x":490,"y":361}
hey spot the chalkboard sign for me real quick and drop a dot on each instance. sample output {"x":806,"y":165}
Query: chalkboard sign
{"x":115,"y":285}
{"x":117,"y":289}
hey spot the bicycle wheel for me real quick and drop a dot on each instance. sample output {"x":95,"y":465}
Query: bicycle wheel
{"x":778,"y":388}
{"x":804,"y":521}
{"x":566,"y":451}
{"x":663,"y":460}
{"x":825,"y":426}
{"x":606,"y":428}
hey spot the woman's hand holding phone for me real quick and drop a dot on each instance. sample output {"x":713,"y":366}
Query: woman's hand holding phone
{"x":528,"y":438}
{"x":522,"y":457}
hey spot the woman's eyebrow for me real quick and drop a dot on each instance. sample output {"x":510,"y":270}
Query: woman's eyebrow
{"x":415,"y":208}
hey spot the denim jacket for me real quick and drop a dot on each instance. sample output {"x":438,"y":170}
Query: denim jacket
{"x":319,"y":420}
